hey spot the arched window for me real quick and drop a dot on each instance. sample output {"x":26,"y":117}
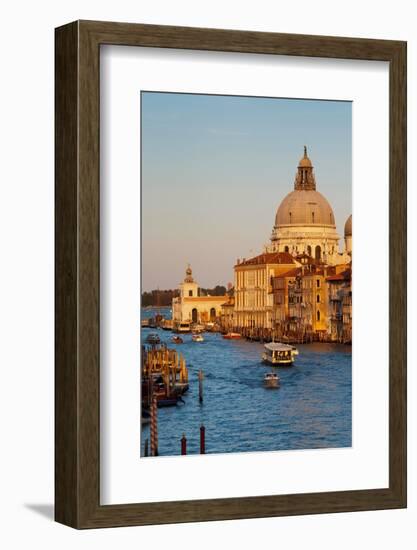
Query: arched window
{"x":212,"y":314}
{"x":318,"y":315}
{"x":312,"y":217}
{"x":318,"y":252}
{"x":318,"y":298}
{"x":194,"y":315}
{"x":309,"y":250}
{"x":290,"y":216}
{"x":286,"y":249}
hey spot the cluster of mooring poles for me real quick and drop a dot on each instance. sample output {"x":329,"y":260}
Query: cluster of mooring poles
{"x":202,"y":441}
{"x":153,"y":409}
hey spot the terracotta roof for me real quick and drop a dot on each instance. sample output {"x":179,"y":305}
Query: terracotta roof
{"x":291,"y":273}
{"x":269,"y":258}
{"x":343,"y":276}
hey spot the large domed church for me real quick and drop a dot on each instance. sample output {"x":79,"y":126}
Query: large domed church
{"x":304,"y":222}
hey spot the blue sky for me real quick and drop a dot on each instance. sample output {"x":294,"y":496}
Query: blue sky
{"x":215,"y":169}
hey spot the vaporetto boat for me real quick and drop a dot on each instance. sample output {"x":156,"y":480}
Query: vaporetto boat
{"x":279,"y":354}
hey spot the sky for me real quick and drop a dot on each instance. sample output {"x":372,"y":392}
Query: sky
{"x":214,"y":170}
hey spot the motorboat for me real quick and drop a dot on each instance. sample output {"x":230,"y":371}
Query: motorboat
{"x":177,"y":340}
{"x":271,"y":380}
{"x":197,"y":338}
{"x":279,"y":354}
{"x":232,"y":336}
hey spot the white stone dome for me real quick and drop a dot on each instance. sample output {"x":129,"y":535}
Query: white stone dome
{"x":305,"y":207}
{"x":348,"y":227}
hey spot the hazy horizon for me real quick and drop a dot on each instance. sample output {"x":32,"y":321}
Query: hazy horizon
{"x":215,"y":169}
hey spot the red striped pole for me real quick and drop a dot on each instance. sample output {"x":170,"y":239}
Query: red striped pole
{"x":154,"y":427}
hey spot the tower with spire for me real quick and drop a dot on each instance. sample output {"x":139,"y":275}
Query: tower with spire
{"x":304,"y":178}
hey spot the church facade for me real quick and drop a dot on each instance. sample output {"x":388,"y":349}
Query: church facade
{"x":189,"y":306}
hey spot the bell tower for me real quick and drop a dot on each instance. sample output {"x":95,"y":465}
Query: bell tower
{"x":188,"y":288}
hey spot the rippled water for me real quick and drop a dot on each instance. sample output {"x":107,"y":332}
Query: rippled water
{"x":311,"y":409}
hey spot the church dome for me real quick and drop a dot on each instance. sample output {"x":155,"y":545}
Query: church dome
{"x":305,"y":207}
{"x":348,"y":227}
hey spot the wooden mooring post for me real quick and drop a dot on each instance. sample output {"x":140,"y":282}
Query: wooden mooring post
{"x":183,"y":445}
{"x":202,"y":440}
{"x":200,"y":385}
{"x":146,"y":451}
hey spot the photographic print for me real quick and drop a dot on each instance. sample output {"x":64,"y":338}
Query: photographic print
{"x":246,"y":283}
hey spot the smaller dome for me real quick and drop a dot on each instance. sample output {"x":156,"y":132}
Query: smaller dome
{"x":305,"y":162}
{"x":348,"y":227}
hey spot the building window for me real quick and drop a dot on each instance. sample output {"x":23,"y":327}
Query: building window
{"x":190,"y":293}
{"x":309,"y":250}
{"x":212,"y":314}
{"x":290,"y":216}
{"x":286,"y":249}
{"x":318,"y":283}
{"x":318,"y":315}
{"x":312,"y":217}
{"x":318,"y":298}
{"x":318,"y":252}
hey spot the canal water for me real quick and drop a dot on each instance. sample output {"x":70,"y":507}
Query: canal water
{"x":312,"y":409}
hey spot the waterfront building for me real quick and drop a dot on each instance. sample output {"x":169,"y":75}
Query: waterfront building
{"x":304,"y":221}
{"x":227,"y":317}
{"x":191,"y":306}
{"x":301,"y":301}
{"x":340,"y":306}
{"x":253,"y":288}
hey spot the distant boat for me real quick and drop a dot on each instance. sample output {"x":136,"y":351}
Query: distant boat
{"x":184,"y":326}
{"x":279,"y":354}
{"x":166,"y":324}
{"x":197,"y":338}
{"x":197,"y":328}
{"x":232,"y":336}
{"x":145,"y":323}
{"x":177,"y":340}
{"x":153,"y":339}
{"x":271,"y":380}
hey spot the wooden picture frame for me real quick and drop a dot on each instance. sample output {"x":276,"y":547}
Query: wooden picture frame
{"x":77,"y":374}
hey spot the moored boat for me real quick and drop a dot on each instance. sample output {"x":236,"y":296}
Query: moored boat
{"x":279,"y":354}
{"x":153,"y":339}
{"x":197,"y":338}
{"x":232,"y":336}
{"x":177,"y":340}
{"x":197,"y":328}
{"x":184,"y":326}
{"x":271,"y":380}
